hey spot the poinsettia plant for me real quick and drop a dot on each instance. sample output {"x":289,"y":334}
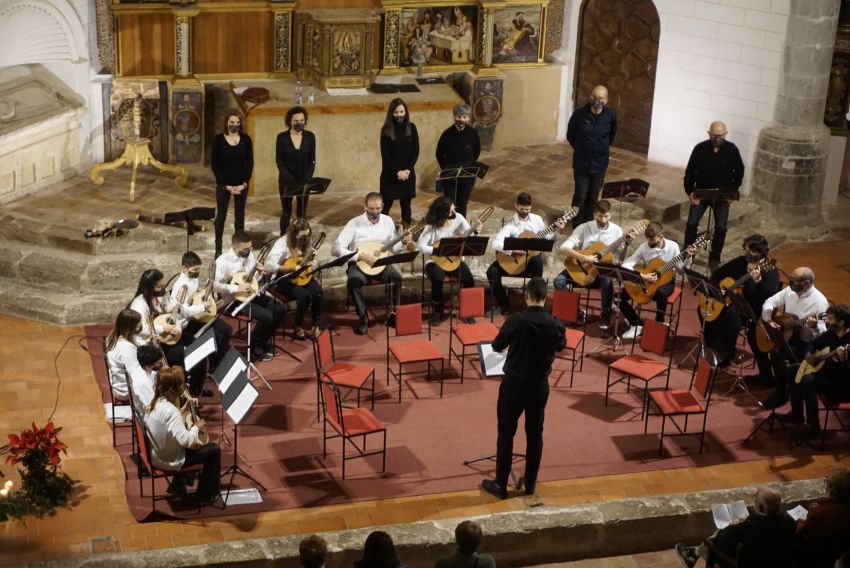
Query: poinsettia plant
{"x":36,"y":439}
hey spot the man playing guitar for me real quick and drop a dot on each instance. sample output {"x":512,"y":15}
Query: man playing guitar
{"x":803,"y":301}
{"x":370,"y":227}
{"x":522,"y":221}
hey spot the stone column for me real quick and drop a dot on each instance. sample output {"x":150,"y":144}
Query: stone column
{"x":790,"y":160}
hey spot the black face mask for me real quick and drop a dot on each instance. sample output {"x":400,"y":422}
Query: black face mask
{"x":717,"y":142}
{"x":158,"y":293}
{"x":233,"y":128}
{"x":193,"y":274}
{"x":797,"y":286}
{"x":373,"y":215}
{"x":597,"y":104}
{"x":302,"y":241}
{"x":452,"y":215}
{"x":752,"y":258}
{"x":460,"y":125}
{"x":654,"y":245}
{"x":298,"y":127}
{"x":244,"y":253}
{"x":523,"y":214}
{"x":399,"y":119}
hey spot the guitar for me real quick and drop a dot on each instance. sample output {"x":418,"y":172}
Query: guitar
{"x":171,"y":319}
{"x":250,"y":276}
{"x":821,"y":357}
{"x":710,"y":308}
{"x":190,"y":419}
{"x":203,"y":296}
{"x":790,"y":325}
{"x":377,"y":250}
{"x":643,"y":293}
{"x":294,"y":263}
{"x":452,"y":263}
{"x":514,"y":266}
{"x":584,"y":273}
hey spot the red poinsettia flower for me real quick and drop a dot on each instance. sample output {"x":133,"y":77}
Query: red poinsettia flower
{"x":36,"y":439}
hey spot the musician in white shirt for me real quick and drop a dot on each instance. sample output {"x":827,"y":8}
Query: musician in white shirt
{"x":802,"y":300}
{"x":522,"y":221}
{"x":655,"y":247}
{"x":600,"y":229}
{"x":122,"y":363}
{"x":264,"y":310}
{"x":443,"y":222}
{"x":371,"y":226}
{"x":151,"y":360}
{"x":172,"y":445}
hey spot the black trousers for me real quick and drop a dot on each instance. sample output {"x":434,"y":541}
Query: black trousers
{"x":660,"y":297}
{"x":783,"y":371}
{"x":268,"y":315}
{"x":721,"y":217}
{"x":286,"y":210}
{"x":210,"y":456}
{"x":604,"y":283}
{"x":436,"y":275}
{"x":406,"y":211}
{"x":495,"y":273}
{"x":356,"y":281}
{"x":459,"y":190}
{"x":308,"y":296}
{"x":515,"y":397}
{"x":721,"y":335}
{"x":586,"y":194}
{"x":806,"y":393}
{"x":222,"y":202}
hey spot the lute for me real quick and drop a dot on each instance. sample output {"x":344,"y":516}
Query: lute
{"x":298,"y":262}
{"x":377,"y":250}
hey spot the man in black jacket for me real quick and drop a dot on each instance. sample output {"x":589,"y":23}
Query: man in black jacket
{"x":531,"y":338}
{"x":590,"y":132}
{"x":458,"y":146}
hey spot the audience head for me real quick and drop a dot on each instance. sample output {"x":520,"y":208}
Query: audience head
{"x":767,"y":501}
{"x":313,"y":551}
{"x":468,"y":537}
{"x":536,"y":291}
{"x":378,"y":552}
{"x":838,"y":485}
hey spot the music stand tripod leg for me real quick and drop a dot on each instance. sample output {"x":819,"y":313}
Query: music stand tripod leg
{"x":492,"y":457}
{"x":615,"y":337}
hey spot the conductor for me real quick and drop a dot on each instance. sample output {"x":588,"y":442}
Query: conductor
{"x":531,"y":337}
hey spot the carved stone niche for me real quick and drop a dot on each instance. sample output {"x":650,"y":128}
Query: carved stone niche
{"x":334,"y":47}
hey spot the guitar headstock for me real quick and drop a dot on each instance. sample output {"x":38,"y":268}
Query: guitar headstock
{"x":319,"y":240}
{"x":570,"y":214}
{"x":702,"y":239}
{"x":642,"y":225}
{"x":486,"y":214}
{"x":767,"y":264}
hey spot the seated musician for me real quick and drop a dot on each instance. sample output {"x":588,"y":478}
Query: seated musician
{"x":598,"y":230}
{"x":151,"y":301}
{"x":522,"y":221}
{"x":121,"y":359}
{"x":151,"y":360}
{"x":443,"y":222}
{"x":173,"y":446}
{"x":264,"y":310}
{"x":721,"y":334}
{"x":832,"y":380}
{"x":190,"y":271}
{"x":296,"y":243}
{"x":370,"y":227}
{"x":655,"y":247}
{"x":802,"y":301}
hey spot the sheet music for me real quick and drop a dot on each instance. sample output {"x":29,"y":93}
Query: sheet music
{"x":347,"y":92}
{"x":238,"y":367}
{"x":492,"y":362}
{"x":202,"y":351}
{"x":242,"y":404}
{"x":122,"y":413}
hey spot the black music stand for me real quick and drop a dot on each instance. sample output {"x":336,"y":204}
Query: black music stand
{"x":526,"y":246}
{"x":409,"y":256}
{"x":778,"y":338}
{"x":452,"y":175}
{"x":701,"y":285}
{"x":313,"y":186}
{"x":713,"y":195}
{"x":462,"y":246}
{"x":187,"y":218}
{"x":628,"y":191}
{"x":745,"y":312}
{"x":618,"y":275}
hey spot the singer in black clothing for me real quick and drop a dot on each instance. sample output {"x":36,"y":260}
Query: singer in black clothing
{"x":531,"y":338}
{"x":232,"y":163}
{"x":714,"y":164}
{"x":399,"y":152}
{"x":295,"y":154}
{"x":459,"y":145}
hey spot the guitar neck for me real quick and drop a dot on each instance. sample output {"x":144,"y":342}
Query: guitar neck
{"x":612,"y":247}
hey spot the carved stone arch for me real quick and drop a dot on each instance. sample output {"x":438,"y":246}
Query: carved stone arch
{"x":39,"y":31}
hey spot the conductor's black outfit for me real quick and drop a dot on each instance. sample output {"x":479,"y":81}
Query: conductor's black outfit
{"x":532,"y":338}
{"x":457,"y":148}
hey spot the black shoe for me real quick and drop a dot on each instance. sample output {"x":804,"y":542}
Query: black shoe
{"x":582,"y":316}
{"x":687,"y":555}
{"x":261,"y":355}
{"x":773,"y":401}
{"x":789,"y":418}
{"x":362,"y":326}
{"x":178,"y":490}
{"x":205,"y":500}
{"x":435,"y":319}
{"x":521,"y":486}
{"x":494,"y":489}
{"x":604,"y":320}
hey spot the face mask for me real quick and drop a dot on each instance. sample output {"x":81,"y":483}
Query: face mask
{"x":373,"y":215}
{"x":653,"y":245}
{"x":159,"y":293}
{"x":597,"y":104}
{"x":797,"y":286}
{"x":752,"y":258}
{"x":522,"y":214}
{"x":460,"y":125}
{"x":298,"y":127}
{"x":452,"y":215}
{"x":244,"y":253}
{"x":302,"y":241}
{"x":233,"y":128}
{"x":193,"y":274}
{"x":717,"y":142}
{"x":602,"y":225}
{"x":399,"y":119}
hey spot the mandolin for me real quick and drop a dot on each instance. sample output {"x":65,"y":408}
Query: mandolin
{"x":190,"y":419}
{"x":205,"y":295}
{"x":584,"y":273}
{"x":294,"y":263}
{"x":250,"y":276}
{"x":790,"y":325}
{"x":515,"y":266}
{"x":172,"y":319}
{"x":643,"y":293}
{"x":377,"y":250}
{"x":452,"y":263}
{"x":711,"y":308}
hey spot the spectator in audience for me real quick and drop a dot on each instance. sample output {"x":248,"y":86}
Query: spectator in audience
{"x":764,"y":537}
{"x":379,"y":552}
{"x":313,"y":551}
{"x":825,"y":533}
{"x":468,"y":538}
{"x":844,"y":561}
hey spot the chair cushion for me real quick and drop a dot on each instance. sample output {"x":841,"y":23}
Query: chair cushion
{"x":415,"y":351}
{"x":472,"y":333}
{"x":360,"y":421}
{"x":677,"y":291}
{"x":677,"y":401}
{"x":639,"y":366}
{"x":348,"y":374}
{"x":833,"y":404}
{"x":574,"y":337}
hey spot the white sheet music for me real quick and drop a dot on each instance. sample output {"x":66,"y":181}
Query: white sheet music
{"x":492,"y":362}
{"x":243,"y":403}
{"x":122,"y":413}
{"x":238,"y":367}
{"x":203,"y":351}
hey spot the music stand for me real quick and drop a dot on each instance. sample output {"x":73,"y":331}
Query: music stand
{"x":701,"y":285}
{"x":527,"y":246}
{"x":618,"y":275}
{"x":778,"y":338}
{"x":471,"y":171}
{"x":188,"y":218}
{"x":199,"y":350}
{"x":628,"y":191}
{"x":394,"y":259}
{"x":313,"y":186}
{"x":462,"y":246}
{"x":745,"y":312}
{"x":712,"y":195}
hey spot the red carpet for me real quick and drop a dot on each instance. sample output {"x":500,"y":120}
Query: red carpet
{"x":280,"y":441}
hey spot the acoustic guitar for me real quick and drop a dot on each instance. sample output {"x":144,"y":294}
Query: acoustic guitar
{"x":820,"y":358}
{"x":790,"y":326}
{"x":711,"y":308}
{"x":250,"y":276}
{"x":201,"y":297}
{"x":298,"y":262}
{"x":171,"y":319}
{"x":643,"y":293}
{"x":515,"y":266}
{"x":452,"y":263}
{"x":584,"y":273}
{"x":377,"y":250}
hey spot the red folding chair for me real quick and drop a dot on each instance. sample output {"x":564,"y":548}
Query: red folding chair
{"x":408,"y":321}
{"x":831,"y":406}
{"x":469,"y":335}
{"x":683,"y":402}
{"x":565,"y":307}
{"x":344,"y":374}
{"x":673,"y":309}
{"x":641,"y":367}
{"x":349,"y":424}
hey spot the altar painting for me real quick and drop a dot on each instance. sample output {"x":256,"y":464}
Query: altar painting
{"x":443,"y":34}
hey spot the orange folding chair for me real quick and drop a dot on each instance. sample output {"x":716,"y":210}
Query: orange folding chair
{"x":344,"y":374}
{"x":565,"y":307}
{"x":409,"y":322}
{"x":469,"y":335}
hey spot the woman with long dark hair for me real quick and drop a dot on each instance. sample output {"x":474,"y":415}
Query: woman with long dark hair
{"x":399,"y":152}
{"x":379,"y":552}
{"x":295,"y":155}
{"x":121,"y":353}
{"x":232,"y":163}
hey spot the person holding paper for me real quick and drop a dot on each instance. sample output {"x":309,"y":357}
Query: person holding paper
{"x":764,"y":537}
{"x":824,"y":534}
{"x":531,"y":338}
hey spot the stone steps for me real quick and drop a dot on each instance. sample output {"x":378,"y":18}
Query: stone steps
{"x":63,"y":308}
